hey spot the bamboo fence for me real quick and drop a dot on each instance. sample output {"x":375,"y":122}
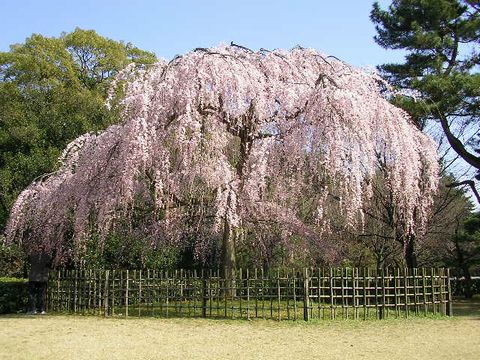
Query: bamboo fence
{"x":334,"y":293}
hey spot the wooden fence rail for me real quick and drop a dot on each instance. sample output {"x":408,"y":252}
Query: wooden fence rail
{"x":347,"y":293}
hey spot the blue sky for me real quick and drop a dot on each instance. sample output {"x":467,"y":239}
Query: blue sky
{"x":340,"y":28}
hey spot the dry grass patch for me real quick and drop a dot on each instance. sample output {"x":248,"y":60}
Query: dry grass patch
{"x":67,"y":337}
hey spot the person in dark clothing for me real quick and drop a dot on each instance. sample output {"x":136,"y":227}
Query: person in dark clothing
{"x":37,"y":282}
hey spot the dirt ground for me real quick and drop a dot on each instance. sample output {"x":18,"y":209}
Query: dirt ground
{"x":77,"y":337}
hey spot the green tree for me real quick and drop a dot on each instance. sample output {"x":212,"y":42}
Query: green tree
{"x":441,"y":40}
{"x":51,"y":91}
{"x":466,"y":252}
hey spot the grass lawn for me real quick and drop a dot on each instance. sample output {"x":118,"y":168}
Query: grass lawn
{"x":90,"y":337}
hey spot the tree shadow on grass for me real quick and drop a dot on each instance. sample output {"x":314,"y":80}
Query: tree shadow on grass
{"x":467,"y":307}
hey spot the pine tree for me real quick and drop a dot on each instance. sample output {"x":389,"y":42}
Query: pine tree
{"x":440,"y":71}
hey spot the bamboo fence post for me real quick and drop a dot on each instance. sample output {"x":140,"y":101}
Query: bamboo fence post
{"x":75,"y":289}
{"x":191,"y":286}
{"x":263,"y":293}
{"x":270,"y":278}
{"x":378,"y":315}
{"x":319,"y":292}
{"x":449,"y":289}
{"x":80,"y":291}
{"x":255,"y":291}
{"x":248,"y":295}
{"x":158,"y":294}
{"x":70,"y":292}
{"x":178,"y":284}
{"x":67,"y":290}
{"x":63,"y":291}
{"x":305,"y":296}
{"x":140,"y":293}
{"x":278,"y":296}
{"x":113,"y":292}
{"x":232,"y":285}
{"x":364,"y":295}
{"x":167,"y":282}
{"x":384,"y":308}
{"x":68,"y":279}
{"x":294,"y":295}
{"x":343,"y":292}
{"x":183,"y":286}
{"x":73,"y":285}
{"x":405,"y":289}
{"x":91,"y":291}
{"x":100,"y":292}
{"x":121,"y":291}
{"x":58,"y":291}
{"x":48,"y":293}
{"x":153,"y":290}
{"x":185,"y":297}
{"x":287,"y":293}
{"x":395,"y":291}
{"x":105,"y":295}
{"x":415,"y":294}
{"x":239,"y":285}
{"x":369,"y":298}
{"x":424,"y":289}
{"x":133,"y":293}
{"x":354,"y":298}
{"x":85,"y":291}
{"x":61,"y":280}
{"x":441,"y":276}
{"x":81,"y":284}
{"x":217,"y":290}
{"x":164,"y":279}
{"x":126,"y":293}
{"x":332,"y":299}
{"x":211,"y":298}
{"x":432,"y":281}
{"x":225,"y":291}
{"x":95,"y":293}
{"x":174,"y":286}
{"x":51,"y":290}
{"x":204,"y":294}
{"x":149,"y":292}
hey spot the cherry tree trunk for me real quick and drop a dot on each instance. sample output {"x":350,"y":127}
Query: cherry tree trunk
{"x":410,"y":252}
{"x":229,"y":261}
{"x":468,"y":282}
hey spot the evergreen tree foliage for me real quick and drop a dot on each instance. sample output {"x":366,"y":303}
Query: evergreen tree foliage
{"x":440,"y":71}
{"x":51,"y":91}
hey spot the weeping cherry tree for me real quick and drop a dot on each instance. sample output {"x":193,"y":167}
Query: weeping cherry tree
{"x":220,"y":146}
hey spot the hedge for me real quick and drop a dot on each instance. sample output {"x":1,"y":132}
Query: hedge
{"x":13,"y":295}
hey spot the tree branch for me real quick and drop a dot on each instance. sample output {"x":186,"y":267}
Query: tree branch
{"x":456,"y":144}
{"x":469,"y":183}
